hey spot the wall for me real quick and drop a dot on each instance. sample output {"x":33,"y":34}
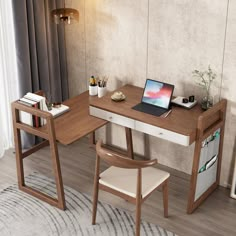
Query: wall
{"x":228,"y":91}
{"x":130,"y":41}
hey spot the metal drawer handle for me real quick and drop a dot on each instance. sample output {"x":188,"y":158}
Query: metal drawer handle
{"x":110,"y":118}
{"x":160,"y":133}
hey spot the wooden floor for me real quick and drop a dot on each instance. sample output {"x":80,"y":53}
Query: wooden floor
{"x":216,"y":216}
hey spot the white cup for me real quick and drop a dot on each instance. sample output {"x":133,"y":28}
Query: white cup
{"x":102,"y":91}
{"x":93,"y":90}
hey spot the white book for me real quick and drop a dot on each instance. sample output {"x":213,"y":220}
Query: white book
{"x":57,"y":111}
{"x":42,"y":102}
{"x":38,"y":98}
{"x":31,"y":99}
{"x":25,"y":101}
{"x":26,"y":117}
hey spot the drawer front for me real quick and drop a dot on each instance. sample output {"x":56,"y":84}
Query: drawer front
{"x":162,"y":133}
{"x":112,"y":117}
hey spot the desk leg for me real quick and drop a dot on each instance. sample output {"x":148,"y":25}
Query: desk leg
{"x":56,"y":166}
{"x":209,"y":145}
{"x":192,"y":202}
{"x":92,"y":140}
{"x":58,"y":176}
{"x":129,"y":142}
{"x":19,"y":158}
{"x":193,"y":181}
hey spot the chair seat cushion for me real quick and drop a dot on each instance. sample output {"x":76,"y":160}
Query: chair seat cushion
{"x":124,"y":180}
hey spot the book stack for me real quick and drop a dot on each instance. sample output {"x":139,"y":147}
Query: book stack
{"x":39,"y":102}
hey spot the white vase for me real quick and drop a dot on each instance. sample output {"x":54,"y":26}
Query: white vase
{"x":93,"y":90}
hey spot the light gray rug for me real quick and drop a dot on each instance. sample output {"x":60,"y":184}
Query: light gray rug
{"x":24,"y":215}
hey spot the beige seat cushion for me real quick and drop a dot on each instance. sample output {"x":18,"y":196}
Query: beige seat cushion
{"x":124,"y":180}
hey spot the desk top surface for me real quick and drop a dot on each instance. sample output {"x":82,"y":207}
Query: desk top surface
{"x":76,"y":123}
{"x":180,"y":120}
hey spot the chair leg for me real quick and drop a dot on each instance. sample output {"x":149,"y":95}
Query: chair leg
{"x":165,"y":197}
{"x":95,"y":202}
{"x":138,"y":217}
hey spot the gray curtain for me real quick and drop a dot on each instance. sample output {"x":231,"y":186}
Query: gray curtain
{"x":41,"y":52}
{"x":40,"y":45}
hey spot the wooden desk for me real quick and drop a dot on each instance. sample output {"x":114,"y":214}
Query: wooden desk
{"x":181,"y":126}
{"x":76,"y":123}
{"x":67,"y":128}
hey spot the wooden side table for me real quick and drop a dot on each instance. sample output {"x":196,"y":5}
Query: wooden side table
{"x":67,"y":128}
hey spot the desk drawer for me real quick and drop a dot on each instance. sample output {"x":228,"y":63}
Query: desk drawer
{"x":162,"y":133}
{"x":112,"y":117}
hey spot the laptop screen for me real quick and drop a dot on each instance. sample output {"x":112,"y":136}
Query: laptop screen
{"x":157,"y":93}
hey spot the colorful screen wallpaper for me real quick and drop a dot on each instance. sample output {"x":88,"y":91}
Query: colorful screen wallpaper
{"x":157,"y":93}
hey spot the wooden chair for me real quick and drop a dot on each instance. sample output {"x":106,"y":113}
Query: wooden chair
{"x":130,"y":179}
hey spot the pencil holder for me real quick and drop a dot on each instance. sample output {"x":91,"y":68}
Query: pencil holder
{"x":102,"y":91}
{"x":93,"y":90}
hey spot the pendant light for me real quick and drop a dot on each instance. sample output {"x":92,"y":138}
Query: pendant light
{"x":65,"y":15}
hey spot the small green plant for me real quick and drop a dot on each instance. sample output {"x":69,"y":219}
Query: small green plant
{"x":204,"y":79}
{"x":92,"y":81}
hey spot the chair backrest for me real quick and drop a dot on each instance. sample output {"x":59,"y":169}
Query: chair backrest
{"x":115,"y":159}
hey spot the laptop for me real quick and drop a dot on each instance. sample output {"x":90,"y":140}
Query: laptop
{"x":156,"y":98}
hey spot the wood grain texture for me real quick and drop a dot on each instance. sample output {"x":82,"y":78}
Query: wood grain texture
{"x":180,"y":120}
{"x":116,"y":159}
{"x":76,"y":123}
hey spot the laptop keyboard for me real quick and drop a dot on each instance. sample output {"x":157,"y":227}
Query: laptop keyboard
{"x":152,"y":110}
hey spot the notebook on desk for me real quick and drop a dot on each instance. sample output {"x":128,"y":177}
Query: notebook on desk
{"x":59,"y":110}
{"x":156,"y":98}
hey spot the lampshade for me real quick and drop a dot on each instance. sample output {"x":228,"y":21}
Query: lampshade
{"x":65,"y":15}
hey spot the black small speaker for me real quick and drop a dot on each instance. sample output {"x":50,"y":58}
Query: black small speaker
{"x":191,"y":98}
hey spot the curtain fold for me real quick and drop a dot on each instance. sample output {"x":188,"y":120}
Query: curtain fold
{"x":9,"y":90}
{"x":41,"y":52}
{"x":40,"y":45}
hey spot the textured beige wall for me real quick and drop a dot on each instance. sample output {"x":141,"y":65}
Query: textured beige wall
{"x":159,"y":39}
{"x":229,"y":91}
{"x":75,"y":45}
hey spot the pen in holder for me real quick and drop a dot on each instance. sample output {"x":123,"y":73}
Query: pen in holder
{"x":102,"y":86}
{"x":102,"y":91}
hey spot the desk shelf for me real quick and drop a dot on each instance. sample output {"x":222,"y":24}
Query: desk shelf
{"x":49,"y":138}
